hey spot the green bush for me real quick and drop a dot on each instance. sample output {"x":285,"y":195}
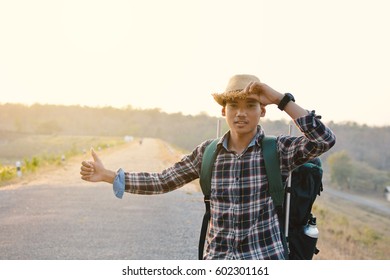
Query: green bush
{"x":7,"y":173}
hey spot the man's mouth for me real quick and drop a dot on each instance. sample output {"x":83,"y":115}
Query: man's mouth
{"x":241,"y":122}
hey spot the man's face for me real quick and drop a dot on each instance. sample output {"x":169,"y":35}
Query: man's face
{"x":243,"y":115}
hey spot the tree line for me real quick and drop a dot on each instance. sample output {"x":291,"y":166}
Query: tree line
{"x":359,"y":160}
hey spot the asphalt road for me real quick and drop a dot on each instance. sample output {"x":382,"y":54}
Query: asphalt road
{"x":42,"y":222}
{"x":60,"y":217}
{"x":379,"y":206}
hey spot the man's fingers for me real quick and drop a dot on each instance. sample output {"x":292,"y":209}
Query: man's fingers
{"x":86,"y":169}
{"x":255,"y":87}
{"x":85,"y":178}
{"x":247,"y":88}
{"x":86,"y":164}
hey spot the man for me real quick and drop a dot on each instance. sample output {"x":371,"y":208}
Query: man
{"x":244,"y":223}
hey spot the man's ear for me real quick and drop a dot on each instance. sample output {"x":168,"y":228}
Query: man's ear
{"x":223,"y":111}
{"x":263,"y":110}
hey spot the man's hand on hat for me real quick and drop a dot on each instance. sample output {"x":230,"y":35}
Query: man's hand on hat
{"x":267,"y":94}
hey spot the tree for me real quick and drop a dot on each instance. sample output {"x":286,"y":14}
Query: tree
{"x":341,"y":169}
{"x":48,"y":127}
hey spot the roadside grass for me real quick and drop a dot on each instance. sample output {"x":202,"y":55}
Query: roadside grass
{"x":38,"y":151}
{"x":349,"y":233}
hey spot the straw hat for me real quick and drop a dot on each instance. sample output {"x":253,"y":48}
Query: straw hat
{"x":234,"y":89}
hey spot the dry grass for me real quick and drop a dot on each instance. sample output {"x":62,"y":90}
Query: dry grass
{"x":43,"y":151}
{"x":348,"y":232}
{"x":19,"y":146}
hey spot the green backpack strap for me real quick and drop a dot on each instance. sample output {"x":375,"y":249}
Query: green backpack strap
{"x":276,"y":190}
{"x":272,"y":167}
{"x":206,"y":168}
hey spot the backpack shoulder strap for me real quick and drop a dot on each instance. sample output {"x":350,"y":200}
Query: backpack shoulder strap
{"x":275,"y":184}
{"x":272,"y":167}
{"x":206,"y":168}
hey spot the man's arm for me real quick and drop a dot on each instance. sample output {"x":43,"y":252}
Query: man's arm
{"x":180,"y":173}
{"x":270,"y":96}
{"x":296,"y":150}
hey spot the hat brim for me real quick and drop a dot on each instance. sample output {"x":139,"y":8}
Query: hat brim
{"x":222,"y":98}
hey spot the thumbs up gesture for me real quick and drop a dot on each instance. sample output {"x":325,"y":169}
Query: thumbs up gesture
{"x":94,"y":171}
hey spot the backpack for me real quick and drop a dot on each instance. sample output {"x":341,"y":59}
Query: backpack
{"x":306,"y":184}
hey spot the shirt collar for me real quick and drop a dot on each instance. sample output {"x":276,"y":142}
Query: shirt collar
{"x":256,"y":140}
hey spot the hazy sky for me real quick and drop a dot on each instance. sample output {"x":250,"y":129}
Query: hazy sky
{"x":334,"y":55}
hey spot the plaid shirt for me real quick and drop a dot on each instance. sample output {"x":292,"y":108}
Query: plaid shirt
{"x":244,"y":223}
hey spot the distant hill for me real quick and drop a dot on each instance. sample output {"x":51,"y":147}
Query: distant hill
{"x":184,"y":131}
{"x":362,"y":143}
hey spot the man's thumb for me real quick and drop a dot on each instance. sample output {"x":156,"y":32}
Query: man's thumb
{"x":94,"y":155}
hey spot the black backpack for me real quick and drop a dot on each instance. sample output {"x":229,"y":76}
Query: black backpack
{"x":306,"y":184}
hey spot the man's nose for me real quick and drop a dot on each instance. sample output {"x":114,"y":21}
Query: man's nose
{"x":241,"y":112}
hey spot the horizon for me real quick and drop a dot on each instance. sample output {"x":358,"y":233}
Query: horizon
{"x":129,"y":106}
{"x":332,"y":56}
